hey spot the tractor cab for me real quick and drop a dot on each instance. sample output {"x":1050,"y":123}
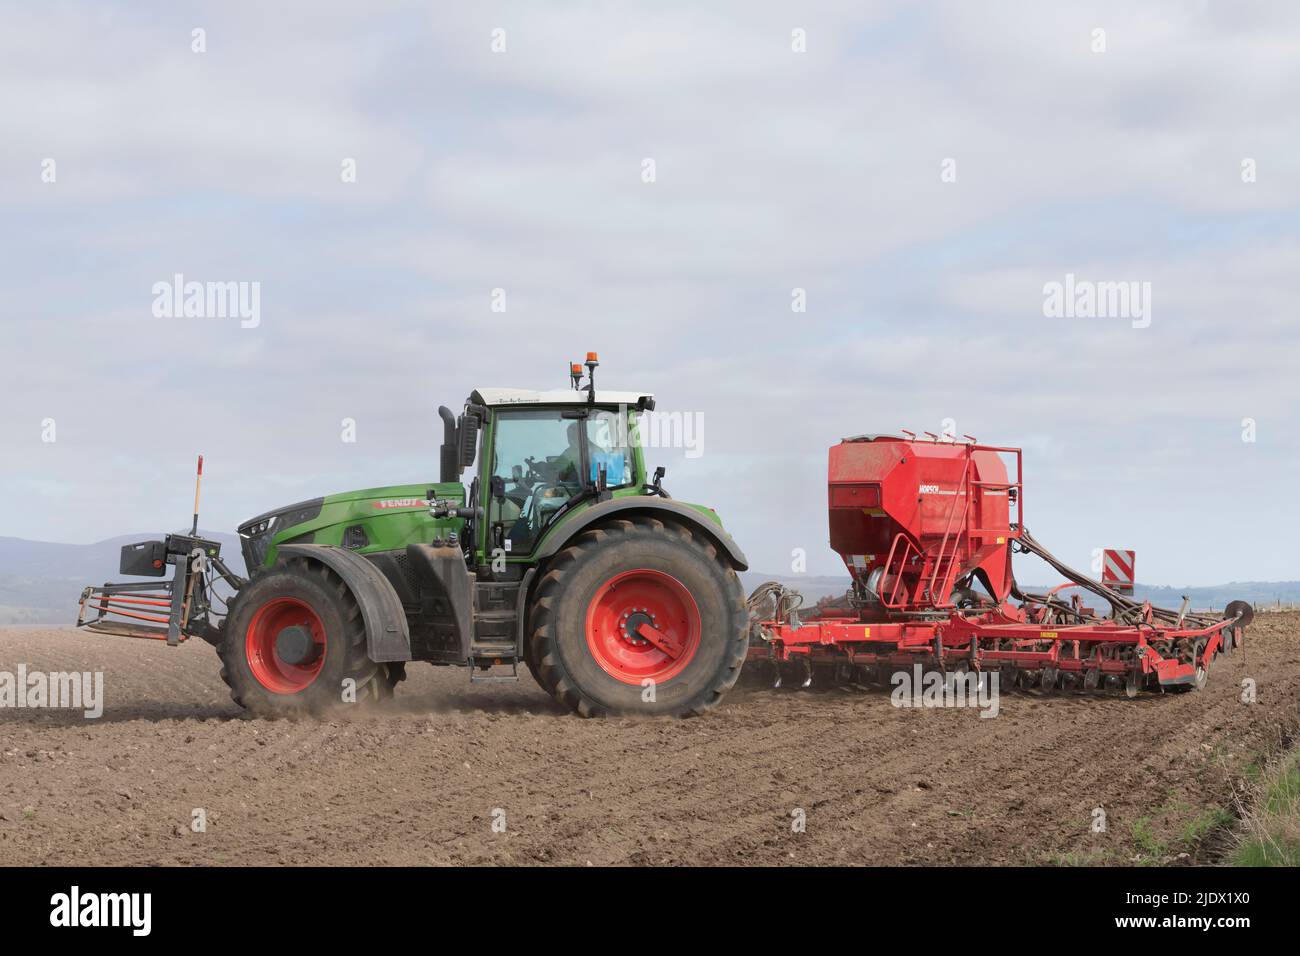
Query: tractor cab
{"x":542,"y":455}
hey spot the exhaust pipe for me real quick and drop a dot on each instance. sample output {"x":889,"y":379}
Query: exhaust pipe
{"x":450,"y":464}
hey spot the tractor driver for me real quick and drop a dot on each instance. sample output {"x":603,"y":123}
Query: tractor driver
{"x":568,"y":464}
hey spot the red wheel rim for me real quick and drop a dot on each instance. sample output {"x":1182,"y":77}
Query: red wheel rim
{"x":643,"y":625}
{"x":271,"y":671}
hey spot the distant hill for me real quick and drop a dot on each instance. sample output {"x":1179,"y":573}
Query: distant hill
{"x":1216,"y":596}
{"x":812,"y":586}
{"x":40,"y":581}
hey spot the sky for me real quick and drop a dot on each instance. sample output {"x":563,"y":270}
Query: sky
{"x":791,"y":221}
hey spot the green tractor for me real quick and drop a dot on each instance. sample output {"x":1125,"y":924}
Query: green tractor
{"x":562,"y":553}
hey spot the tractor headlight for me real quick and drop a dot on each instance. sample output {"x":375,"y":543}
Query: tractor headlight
{"x":255,"y":534}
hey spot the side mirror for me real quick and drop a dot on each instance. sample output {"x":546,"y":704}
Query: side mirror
{"x":468,"y":430}
{"x":517,"y":472}
{"x":657,"y":486}
{"x":497,"y":486}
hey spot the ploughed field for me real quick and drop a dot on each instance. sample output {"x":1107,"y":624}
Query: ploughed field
{"x":425,"y":778}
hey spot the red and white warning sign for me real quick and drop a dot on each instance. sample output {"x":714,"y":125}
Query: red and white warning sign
{"x":1117,"y":570}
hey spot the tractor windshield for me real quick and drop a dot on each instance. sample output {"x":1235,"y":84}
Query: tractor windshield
{"x":540,"y":457}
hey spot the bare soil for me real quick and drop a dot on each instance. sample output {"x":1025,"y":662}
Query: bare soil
{"x":419,"y":781}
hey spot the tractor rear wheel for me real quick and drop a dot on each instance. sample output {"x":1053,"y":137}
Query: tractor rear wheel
{"x":293,"y":640}
{"x":638,"y":617}
{"x":531,"y":660}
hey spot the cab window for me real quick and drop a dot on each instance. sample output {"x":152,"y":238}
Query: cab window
{"x":609,"y":445}
{"x":538,"y":456}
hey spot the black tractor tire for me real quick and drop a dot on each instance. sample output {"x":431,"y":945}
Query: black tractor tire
{"x":308,"y":596}
{"x":664,"y":569}
{"x":529,"y":659}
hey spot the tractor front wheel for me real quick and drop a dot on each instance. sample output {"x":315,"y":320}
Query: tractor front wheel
{"x":638,"y":617}
{"x":294,"y":643}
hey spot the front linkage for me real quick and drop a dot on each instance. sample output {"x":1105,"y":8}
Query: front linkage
{"x":170,"y":611}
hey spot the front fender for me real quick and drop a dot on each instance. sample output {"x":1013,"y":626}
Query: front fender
{"x":387,"y":636}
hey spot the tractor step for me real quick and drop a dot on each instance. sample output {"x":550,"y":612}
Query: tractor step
{"x":487,"y":654}
{"x":479,"y":675}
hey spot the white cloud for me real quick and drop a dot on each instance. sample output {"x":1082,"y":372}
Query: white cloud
{"x":521,"y":171}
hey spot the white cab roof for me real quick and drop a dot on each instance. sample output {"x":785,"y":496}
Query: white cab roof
{"x":556,"y":396}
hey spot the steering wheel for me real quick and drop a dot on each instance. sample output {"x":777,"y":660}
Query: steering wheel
{"x":538,"y":493}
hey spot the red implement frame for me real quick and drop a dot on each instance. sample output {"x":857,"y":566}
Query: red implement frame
{"x":999,"y":641}
{"x":902,"y":609}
